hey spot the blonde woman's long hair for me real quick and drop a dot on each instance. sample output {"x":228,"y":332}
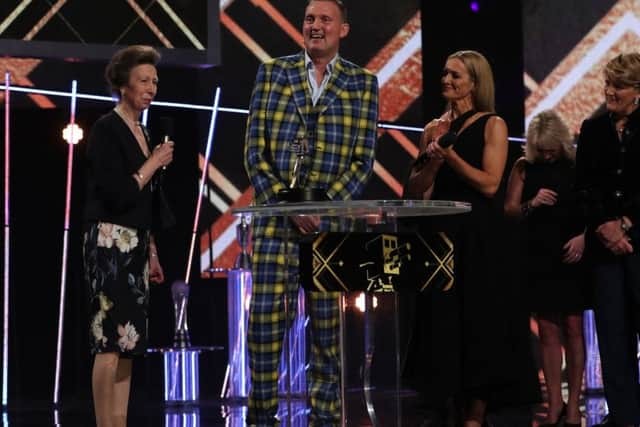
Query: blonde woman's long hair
{"x":480,"y":71}
{"x":547,"y":131}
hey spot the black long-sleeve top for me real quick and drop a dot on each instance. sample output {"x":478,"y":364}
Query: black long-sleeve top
{"x":608,"y":176}
{"x":113,"y":195}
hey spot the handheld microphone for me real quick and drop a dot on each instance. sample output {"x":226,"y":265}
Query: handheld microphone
{"x":165,"y":125}
{"x":448,"y":139}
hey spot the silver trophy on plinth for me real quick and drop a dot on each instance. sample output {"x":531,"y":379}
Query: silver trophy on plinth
{"x":243,"y":236}
{"x":180,"y":296}
{"x":296,"y":192}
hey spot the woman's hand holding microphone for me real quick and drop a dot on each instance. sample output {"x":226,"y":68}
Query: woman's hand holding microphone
{"x":161,"y":156}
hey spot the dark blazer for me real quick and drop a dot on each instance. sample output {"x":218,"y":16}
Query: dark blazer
{"x":608,"y":176}
{"x":113,"y":157}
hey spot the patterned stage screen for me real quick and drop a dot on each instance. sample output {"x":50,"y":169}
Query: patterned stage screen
{"x":186,"y":31}
{"x":566,"y":46}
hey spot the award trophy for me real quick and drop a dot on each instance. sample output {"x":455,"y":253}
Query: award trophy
{"x":180,"y":296}
{"x":295,"y":192}
{"x":243,"y":236}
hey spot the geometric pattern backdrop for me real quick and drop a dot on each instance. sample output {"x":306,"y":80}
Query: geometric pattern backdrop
{"x":573,"y":83}
{"x":185,"y":31}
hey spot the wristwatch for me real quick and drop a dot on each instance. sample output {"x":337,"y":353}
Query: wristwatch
{"x":625,"y":227}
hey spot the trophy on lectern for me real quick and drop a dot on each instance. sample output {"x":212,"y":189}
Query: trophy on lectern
{"x":295,"y":192}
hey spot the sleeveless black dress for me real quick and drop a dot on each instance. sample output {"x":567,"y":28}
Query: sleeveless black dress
{"x":474,"y":339}
{"x":553,"y":286}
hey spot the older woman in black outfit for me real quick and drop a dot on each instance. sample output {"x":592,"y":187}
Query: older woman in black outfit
{"x":120,"y":254}
{"x":482,"y":353}
{"x":608,"y":176}
{"x":540,"y":194}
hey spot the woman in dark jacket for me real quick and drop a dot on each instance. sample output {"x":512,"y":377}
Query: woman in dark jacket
{"x":120,"y":254}
{"x":608,"y":177}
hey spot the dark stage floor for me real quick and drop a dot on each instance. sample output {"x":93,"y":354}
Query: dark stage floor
{"x":212,"y":413}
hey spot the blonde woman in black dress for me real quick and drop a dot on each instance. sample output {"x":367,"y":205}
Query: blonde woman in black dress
{"x":540,"y":194}
{"x":485,"y":341}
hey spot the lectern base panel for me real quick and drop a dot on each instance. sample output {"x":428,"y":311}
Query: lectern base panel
{"x":377,"y":262}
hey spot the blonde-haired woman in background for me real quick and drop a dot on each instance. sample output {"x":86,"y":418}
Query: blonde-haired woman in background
{"x":540,"y":194}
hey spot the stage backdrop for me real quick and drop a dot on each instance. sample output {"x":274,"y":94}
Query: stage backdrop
{"x":404,"y":42}
{"x":386,"y":38}
{"x":565,"y":50}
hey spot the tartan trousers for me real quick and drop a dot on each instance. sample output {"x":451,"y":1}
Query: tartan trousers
{"x":266,"y":332}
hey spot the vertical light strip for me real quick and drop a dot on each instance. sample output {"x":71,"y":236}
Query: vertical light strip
{"x":167,"y":376}
{"x":592,"y":371}
{"x":193,"y":381}
{"x":207,"y":153}
{"x":5,"y":315}
{"x":65,"y":245}
{"x":182,"y":367}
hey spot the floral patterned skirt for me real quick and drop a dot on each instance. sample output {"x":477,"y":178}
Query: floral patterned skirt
{"x":117,"y":273}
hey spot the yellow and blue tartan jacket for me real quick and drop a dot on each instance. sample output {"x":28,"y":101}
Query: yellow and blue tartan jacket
{"x":340,"y":155}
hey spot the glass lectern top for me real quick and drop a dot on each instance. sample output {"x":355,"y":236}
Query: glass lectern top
{"x":358,"y":208}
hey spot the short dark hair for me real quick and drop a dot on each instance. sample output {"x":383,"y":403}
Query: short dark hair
{"x":121,"y":63}
{"x":339,"y":3}
{"x":624,"y":70}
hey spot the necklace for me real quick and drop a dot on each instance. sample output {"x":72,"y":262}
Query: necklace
{"x":620,"y":126}
{"x":133,"y":124}
{"x":138,"y":130}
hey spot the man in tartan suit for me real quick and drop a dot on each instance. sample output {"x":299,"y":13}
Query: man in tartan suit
{"x":331,"y":104}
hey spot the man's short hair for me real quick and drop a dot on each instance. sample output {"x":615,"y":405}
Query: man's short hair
{"x":339,"y":3}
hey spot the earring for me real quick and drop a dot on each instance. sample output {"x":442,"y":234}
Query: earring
{"x":636,"y":101}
